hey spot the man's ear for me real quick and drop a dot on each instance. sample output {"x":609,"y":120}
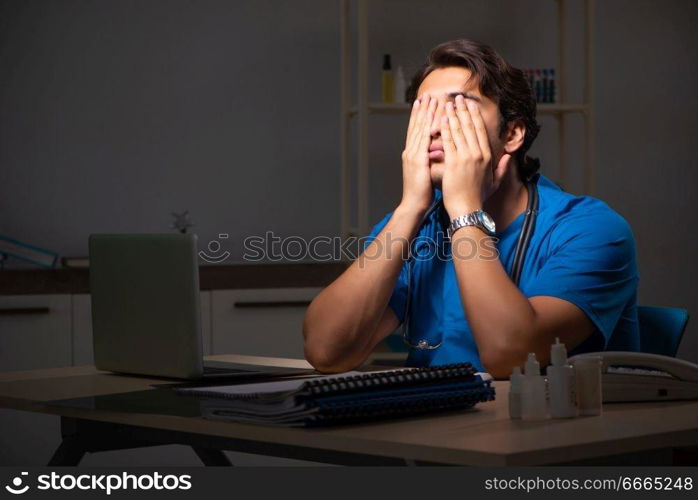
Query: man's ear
{"x":514,"y":136}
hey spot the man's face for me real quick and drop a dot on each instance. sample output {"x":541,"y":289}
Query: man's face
{"x":445,"y":84}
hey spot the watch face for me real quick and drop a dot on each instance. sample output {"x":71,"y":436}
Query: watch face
{"x":487,"y":222}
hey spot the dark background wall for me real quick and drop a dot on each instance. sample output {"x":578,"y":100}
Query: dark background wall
{"x":646,"y":136}
{"x":116,"y":113}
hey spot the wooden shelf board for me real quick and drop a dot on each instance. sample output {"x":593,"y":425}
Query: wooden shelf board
{"x":382,"y":108}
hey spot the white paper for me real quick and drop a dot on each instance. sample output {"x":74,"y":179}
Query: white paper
{"x":280,"y":386}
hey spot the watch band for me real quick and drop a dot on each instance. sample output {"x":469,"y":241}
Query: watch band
{"x":471,"y":219}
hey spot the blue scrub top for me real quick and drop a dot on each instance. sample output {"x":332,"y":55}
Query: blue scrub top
{"x":581,"y":251}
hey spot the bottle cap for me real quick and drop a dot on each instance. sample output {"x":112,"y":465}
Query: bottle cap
{"x":558,"y":353}
{"x":515,"y":379}
{"x":386,"y":61}
{"x":532,"y":366}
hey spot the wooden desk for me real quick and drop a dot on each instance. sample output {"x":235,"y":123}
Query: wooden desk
{"x":482,"y":436}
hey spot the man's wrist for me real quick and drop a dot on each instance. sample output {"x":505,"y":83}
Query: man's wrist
{"x":469,"y":233}
{"x":477,"y":218}
{"x":460,"y":209}
{"x":411,"y":210}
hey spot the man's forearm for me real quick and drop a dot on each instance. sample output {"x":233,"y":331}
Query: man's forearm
{"x":340,"y":322}
{"x":502,"y":319}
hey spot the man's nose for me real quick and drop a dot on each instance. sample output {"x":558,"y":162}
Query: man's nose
{"x":435,"y":129}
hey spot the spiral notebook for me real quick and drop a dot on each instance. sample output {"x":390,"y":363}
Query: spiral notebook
{"x":347,"y":397}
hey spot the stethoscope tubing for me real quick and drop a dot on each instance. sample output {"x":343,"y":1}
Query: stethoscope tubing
{"x":522,"y":245}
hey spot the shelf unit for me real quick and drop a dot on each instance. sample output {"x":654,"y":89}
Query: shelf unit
{"x":363,"y":109}
{"x":386,"y":108}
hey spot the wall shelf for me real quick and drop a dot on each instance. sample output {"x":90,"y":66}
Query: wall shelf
{"x":362,"y":109}
{"x":386,"y":108}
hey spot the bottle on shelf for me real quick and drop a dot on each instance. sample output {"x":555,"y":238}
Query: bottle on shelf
{"x":551,"y":90}
{"x":542,"y":83}
{"x":538,"y":81}
{"x":545,"y":98}
{"x":400,"y":85}
{"x":387,"y":81}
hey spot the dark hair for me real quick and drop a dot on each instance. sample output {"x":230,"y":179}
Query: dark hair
{"x":498,"y":80}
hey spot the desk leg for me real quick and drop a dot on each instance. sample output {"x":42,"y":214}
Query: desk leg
{"x":212,"y":458}
{"x":72,"y":448}
{"x":69,"y":452}
{"x":685,"y":456}
{"x":81,"y":437}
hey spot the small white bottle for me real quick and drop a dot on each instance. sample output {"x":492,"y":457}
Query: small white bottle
{"x":534,"y":404}
{"x":561,"y":383}
{"x":400,"y":85}
{"x":515,"y":386}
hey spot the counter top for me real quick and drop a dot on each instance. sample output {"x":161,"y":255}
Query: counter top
{"x":224,"y":277}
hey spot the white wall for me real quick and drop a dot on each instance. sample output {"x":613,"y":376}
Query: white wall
{"x":115,"y":113}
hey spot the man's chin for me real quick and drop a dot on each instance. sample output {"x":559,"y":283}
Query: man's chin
{"x":436,"y":170}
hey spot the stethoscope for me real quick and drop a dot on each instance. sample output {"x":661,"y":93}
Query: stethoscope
{"x":515,"y":274}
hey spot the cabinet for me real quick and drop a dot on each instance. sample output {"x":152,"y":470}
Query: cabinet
{"x":35,"y":332}
{"x":82,"y":330}
{"x":263,"y":322}
{"x":206,"y":335}
{"x":49,"y":331}
{"x":45,"y":331}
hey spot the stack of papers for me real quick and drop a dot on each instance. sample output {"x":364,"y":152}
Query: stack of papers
{"x":346,"y":397}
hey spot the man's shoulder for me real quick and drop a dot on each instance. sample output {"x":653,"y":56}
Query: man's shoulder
{"x":570,"y":215}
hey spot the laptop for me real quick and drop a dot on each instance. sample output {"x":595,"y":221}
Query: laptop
{"x":146,"y":314}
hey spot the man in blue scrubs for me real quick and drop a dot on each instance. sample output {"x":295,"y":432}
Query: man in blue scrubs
{"x":465,"y":173}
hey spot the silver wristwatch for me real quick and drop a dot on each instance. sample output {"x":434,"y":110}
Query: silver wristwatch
{"x":478,"y":218}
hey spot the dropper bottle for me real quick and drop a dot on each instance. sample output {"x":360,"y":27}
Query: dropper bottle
{"x":387,"y":80}
{"x":515,"y":383}
{"x":534,"y":404}
{"x":563,"y":399}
